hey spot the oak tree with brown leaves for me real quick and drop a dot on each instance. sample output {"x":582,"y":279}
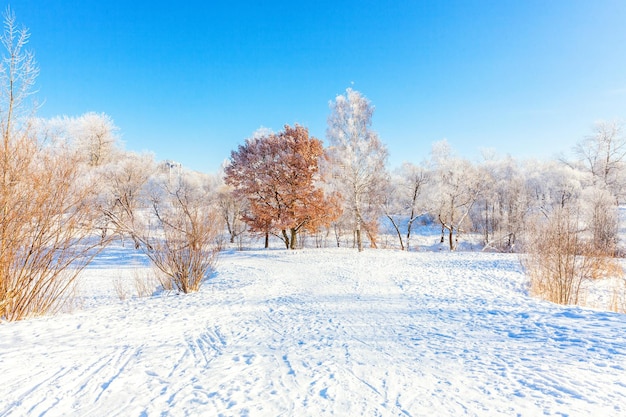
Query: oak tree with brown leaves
{"x":279,"y":175}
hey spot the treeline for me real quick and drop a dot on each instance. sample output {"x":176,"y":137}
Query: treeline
{"x":68,"y":189}
{"x":285,"y":183}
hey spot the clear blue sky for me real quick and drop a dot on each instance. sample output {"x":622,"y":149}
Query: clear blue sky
{"x":190,"y":80}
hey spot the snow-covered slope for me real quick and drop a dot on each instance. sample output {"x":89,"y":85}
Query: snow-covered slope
{"x":321,"y":332}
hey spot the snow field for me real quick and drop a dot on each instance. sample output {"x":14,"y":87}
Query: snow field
{"x":320,"y":332}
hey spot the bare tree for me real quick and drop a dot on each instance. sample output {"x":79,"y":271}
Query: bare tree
{"x":357,"y":162}
{"x":600,"y":215}
{"x":123,"y":185}
{"x":46,"y":233}
{"x":180,"y":233}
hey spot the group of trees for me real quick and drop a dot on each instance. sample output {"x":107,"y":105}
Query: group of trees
{"x":282,"y":185}
{"x":288,"y":182}
{"x":68,"y":189}
{"x":563,"y":214}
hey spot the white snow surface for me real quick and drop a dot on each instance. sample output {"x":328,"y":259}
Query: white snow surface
{"x":320,"y":332}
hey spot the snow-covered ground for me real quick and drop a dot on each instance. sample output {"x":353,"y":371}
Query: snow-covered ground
{"x":319,"y":332}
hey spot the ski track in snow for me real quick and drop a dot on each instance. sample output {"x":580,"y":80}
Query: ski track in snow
{"x":321,"y":332}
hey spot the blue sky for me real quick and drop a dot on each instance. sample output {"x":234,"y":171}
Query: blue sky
{"x":190,"y":80}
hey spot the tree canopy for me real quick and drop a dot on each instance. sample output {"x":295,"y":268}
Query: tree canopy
{"x":279,"y":175}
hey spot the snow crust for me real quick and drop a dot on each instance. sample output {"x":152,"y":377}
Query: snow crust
{"x":320,"y":332}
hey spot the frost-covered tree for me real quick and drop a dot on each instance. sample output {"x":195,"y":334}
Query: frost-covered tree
{"x":172,"y":221}
{"x":552,"y":184}
{"x":96,"y":137}
{"x":232,"y":209}
{"x":279,"y":175}
{"x":600,"y":216}
{"x":18,"y":74}
{"x":457,"y":187}
{"x":555,"y":186}
{"x":357,"y":163}
{"x":603,"y":155}
{"x":501,"y":212}
{"x":179,"y":231}
{"x":123,"y":183}
{"x":403,"y":204}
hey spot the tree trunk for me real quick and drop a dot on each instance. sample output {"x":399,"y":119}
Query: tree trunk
{"x":267,"y":240}
{"x":293,"y":239}
{"x":408,"y":232}
{"x":231,"y":231}
{"x":486,"y":223}
{"x":337,"y":235}
{"x":395,"y":226}
{"x":451,"y":241}
{"x":372,"y":238}
{"x":359,"y":225}
{"x":285,"y":238}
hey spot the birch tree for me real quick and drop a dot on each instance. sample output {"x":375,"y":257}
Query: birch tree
{"x":357,"y":162}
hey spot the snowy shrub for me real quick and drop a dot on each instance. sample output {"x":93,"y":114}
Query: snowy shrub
{"x":558,"y":260}
{"x":617,"y":302}
{"x":120,"y":288}
{"x":47,"y":213}
{"x":145,"y":284}
{"x":179,"y":231}
{"x":600,"y":214}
